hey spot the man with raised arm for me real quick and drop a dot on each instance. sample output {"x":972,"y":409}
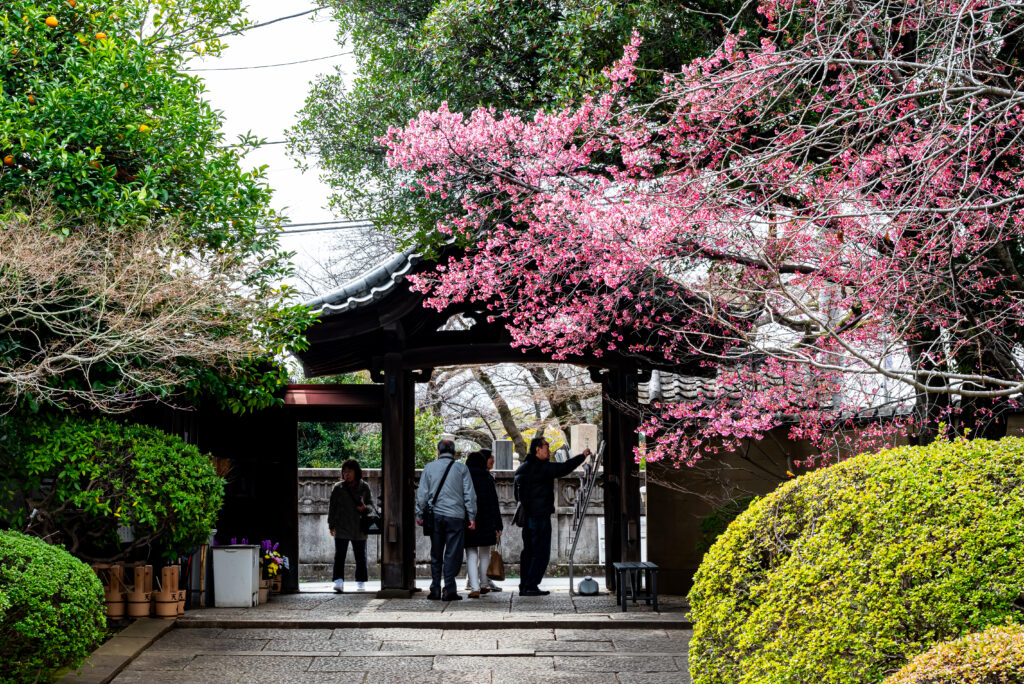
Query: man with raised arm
{"x":534,"y":490}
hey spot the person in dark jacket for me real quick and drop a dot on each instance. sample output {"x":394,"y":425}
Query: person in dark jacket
{"x":534,"y":490}
{"x":488,"y":522}
{"x":350,"y":500}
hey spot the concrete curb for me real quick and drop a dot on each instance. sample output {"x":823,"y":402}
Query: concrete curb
{"x":107,"y":661}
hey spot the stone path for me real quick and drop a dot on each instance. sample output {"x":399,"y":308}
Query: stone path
{"x":424,"y":654}
{"x":365,"y":610}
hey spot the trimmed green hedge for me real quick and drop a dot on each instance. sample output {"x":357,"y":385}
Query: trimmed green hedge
{"x":51,"y":609}
{"x":993,"y":656}
{"x":842,"y":575}
{"x":86,"y":477}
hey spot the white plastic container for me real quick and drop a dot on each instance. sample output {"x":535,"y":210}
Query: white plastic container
{"x":236,"y":576}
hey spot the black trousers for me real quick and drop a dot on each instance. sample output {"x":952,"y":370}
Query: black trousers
{"x":358,"y":550}
{"x":533,"y":562}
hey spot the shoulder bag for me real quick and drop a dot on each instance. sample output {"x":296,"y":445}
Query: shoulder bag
{"x":428,"y":512}
{"x":369,"y":522}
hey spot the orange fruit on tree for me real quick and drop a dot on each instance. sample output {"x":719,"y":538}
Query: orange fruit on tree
{"x":9,"y":160}
{"x":143,"y":128}
{"x":101,"y":36}
{"x":31,"y":99}
{"x":72,"y":3}
{"x":51,"y":21}
{"x":94,"y":164}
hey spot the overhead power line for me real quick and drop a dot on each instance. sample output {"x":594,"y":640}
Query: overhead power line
{"x":326,"y":228}
{"x":272,"y":21}
{"x":269,"y":66}
{"x":318,"y":226}
{"x":336,"y":222}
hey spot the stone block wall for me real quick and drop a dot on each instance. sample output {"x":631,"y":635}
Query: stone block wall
{"x":316,"y":546}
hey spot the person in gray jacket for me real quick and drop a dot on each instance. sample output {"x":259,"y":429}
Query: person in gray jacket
{"x":456,"y":504}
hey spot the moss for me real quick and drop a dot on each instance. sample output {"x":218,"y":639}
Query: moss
{"x":844,"y":574}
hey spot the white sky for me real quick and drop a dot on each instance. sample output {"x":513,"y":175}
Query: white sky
{"x":265,"y":101}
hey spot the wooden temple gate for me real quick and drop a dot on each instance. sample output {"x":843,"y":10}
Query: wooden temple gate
{"x":378,"y":323}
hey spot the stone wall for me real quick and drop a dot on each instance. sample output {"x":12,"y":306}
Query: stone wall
{"x":316,"y":546}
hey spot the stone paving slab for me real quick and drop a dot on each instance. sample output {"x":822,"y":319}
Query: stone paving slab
{"x":114,"y":655}
{"x":475,"y":643}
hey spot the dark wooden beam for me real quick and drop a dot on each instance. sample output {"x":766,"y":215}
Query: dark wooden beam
{"x":622,"y":474}
{"x":398,"y":557}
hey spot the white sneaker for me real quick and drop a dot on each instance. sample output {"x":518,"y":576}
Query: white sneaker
{"x":339,"y":585}
{"x":361,"y":586}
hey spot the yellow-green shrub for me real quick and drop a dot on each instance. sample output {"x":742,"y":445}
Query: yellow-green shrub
{"x":842,"y":575}
{"x":995,"y":656}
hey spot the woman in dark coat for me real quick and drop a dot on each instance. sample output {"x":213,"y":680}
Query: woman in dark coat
{"x":350,"y":500}
{"x":488,"y":522}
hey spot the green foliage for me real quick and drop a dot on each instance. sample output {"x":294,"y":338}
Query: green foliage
{"x":84,"y":478}
{"x":51,"y":609}
{"x":98,"y":120}
{"x":715,"y":524}
{"x":517,"y":56}
{"x":843,"y":574}
{"x":994,"y":656}
{"x":328,"y":445}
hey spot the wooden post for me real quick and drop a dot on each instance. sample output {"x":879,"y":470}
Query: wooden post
{"x":398,"y":541}
{"x":622,"y":474}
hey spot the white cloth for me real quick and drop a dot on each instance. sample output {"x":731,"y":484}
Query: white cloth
{"x":477,"y":560}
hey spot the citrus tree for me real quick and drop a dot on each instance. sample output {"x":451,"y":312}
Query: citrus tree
{"x":100,"y":125}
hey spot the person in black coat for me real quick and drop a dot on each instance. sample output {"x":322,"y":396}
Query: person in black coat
{"x":488,"y":522}
{"x":534,"y":490}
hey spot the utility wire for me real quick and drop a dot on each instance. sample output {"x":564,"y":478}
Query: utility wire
{"x":336,"y":222}
{"x":272,"y":21}
{"x":328,"y":228}
{"x":269,"y":66}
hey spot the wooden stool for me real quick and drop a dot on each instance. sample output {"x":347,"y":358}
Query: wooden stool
{"x":642,"y":578}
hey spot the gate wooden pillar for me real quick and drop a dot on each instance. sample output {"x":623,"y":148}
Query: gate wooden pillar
{"x":398,"y":538}
{"x":621,"y":473}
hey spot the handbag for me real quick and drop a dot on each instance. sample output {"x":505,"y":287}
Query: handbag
{"x":369,"y":522}
{"x":496,"y":568}
{"x":519,"y":517}
{"x":428,"y":510}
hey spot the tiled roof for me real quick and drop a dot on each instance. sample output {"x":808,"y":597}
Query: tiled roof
{"x":669,"y":388}
{"x":369,"y":287}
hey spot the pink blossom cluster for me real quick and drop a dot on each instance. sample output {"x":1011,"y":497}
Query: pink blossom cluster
{"x":832,"y":216}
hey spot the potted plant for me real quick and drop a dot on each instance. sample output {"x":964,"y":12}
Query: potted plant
{"x":272,"y":564}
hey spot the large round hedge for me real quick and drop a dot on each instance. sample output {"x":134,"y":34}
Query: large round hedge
{"x":51,"y":609}
{"x":990,"y":657}
{"x":86,"y":477}
{"x":844,"y":574}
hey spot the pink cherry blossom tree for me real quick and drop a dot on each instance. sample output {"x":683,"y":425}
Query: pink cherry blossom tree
{"x":831,"y":215}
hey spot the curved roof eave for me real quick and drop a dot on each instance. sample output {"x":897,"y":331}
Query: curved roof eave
{"x":368,"y":287}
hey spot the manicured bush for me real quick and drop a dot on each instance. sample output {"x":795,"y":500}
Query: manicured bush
{"x":51,"y":609}
{"x":713,"y":525}
{"x":995,"y":656}
{"x":84,"y":478}
{"x":844,"y":574}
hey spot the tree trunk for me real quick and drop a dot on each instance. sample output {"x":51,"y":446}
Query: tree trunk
{"x":504,"y":412}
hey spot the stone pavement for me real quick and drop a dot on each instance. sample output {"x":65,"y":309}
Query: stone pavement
{"x":311,"y":637}
{"x":413,"y":654}
{"x":327,"y":609}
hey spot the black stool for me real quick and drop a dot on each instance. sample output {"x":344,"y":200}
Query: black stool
{"x":642,"y":578}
